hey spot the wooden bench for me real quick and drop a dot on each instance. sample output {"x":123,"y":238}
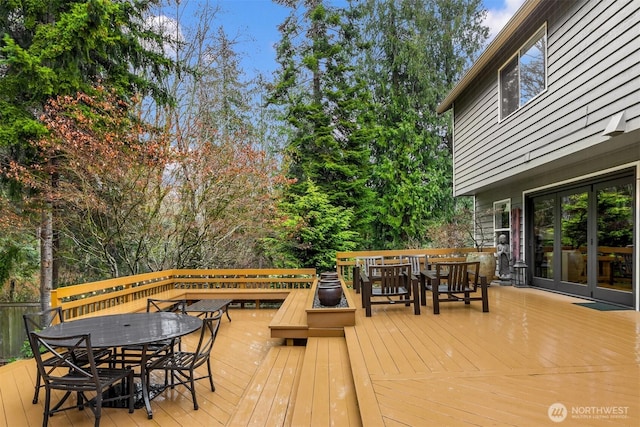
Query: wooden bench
{"x":135,"y":306}
{"x":129,"y":294}
{"x":290,"y":321}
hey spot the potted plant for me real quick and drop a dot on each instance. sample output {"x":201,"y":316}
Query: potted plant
{"x":478,"y":233}
{"x":464,"y":229}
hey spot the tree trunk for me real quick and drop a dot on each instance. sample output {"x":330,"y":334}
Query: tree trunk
{"x":46,"y":258}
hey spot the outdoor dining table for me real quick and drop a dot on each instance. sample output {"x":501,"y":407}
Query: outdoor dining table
{"x":119,"y":330}
{"x":208,"y":306}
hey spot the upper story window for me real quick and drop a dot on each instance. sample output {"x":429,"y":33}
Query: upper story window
{"x":524,"y":76}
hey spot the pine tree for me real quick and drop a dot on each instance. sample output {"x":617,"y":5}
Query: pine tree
{"x":417,"y":50}
{"x":326,"y":107}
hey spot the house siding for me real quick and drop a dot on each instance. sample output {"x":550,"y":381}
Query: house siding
{"x":593,"y":73}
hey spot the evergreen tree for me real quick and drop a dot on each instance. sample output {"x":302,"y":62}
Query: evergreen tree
{"x":326,"y":107}
{"x":416,"y":51}
{"x":311,"y":233}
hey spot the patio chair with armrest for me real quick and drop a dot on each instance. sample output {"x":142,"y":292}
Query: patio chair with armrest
{"x":363,"y":264}
{"x":181,"y":365}
{"x":462,"y":279}
{"x":34,"y":322}
{"x":394,"y":281}
{"x":63,"y":372}
{"x":418,"y":263}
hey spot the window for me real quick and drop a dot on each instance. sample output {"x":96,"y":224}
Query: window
{"x":502,"y":219}
{"x":524,"y":76}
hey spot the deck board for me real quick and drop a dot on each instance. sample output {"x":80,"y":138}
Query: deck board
{"x":271,"y":393}
{"x":533,"y":349}
{"x":326,"y":393}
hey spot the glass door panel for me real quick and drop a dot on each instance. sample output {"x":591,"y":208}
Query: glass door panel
{"x":574,"y":213}
{"x":544,"y":226}
{"x":615,"y":236}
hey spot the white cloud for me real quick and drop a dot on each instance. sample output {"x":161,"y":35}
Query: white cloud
{"x":171,"y":31}
{"x":497,"y":18}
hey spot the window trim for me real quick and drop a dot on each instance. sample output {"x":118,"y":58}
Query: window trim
{"x":498,"y":230}
{"x":542,"y":31}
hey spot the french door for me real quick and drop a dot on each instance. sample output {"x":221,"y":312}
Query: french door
{"x":581,"y":239}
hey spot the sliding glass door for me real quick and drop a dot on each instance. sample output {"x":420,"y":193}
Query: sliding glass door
{"x":581,"y":240}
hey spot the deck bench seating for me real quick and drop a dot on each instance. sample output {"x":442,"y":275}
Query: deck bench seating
{"x":130,"y":293}
{"x":290,"y":321}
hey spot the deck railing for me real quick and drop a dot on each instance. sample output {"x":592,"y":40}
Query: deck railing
{"x":131,"y":292}
{"x":346,"y":260}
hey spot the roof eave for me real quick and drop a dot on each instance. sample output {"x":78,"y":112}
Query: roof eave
{"x":494,"y":47}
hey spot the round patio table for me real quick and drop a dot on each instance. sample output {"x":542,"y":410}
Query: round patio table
{"x":119,"y":330}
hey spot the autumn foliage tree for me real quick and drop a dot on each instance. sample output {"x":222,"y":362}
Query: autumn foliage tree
{"x":107,"y":192}
{"x":128,"y":201}
{"x":220,"y":205}
{"x":225,"y":178}
{"x":51,"y":48}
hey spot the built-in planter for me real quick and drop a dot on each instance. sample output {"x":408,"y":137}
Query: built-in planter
{"x":330,"y":321}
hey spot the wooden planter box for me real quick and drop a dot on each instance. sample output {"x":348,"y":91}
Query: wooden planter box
{"x":330,"y":321}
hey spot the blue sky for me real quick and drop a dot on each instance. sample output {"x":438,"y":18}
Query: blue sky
{"x":253,"y":23}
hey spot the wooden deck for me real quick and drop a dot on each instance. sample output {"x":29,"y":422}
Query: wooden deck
{"x":462,"y":367}
{"x":505,"y":367}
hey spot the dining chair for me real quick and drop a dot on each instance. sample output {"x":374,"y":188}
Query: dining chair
{"x":418,"y":263}
{"x":166,"y":305}
{"x":63,"y":372}
{"x":363,"y":264}
{"x":394,"y":281}
{"x":37,"y":321}
{"x":462,"y":279}
{"x":181,"y":365}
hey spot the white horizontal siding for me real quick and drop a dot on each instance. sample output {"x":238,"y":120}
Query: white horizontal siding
{"x":593,"y":73}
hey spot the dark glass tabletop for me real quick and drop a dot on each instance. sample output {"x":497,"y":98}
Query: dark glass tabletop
{"x":119,"y":330}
